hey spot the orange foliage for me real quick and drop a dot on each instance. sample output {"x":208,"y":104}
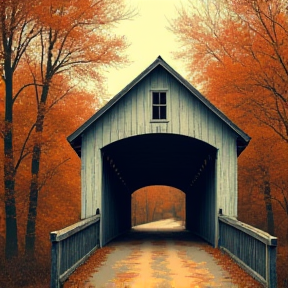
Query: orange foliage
{"x":88,"y":268}
{"x":76,"y":34}
{"x":157,"y":202}
{"x":236,"y":51}
{"x":159,"y":262}
{"x":59,"y":197}
{"x":238,"y":276}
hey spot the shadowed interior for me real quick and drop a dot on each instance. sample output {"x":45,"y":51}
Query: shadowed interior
{"x":159,"y":159}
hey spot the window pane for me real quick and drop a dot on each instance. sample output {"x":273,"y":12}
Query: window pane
{"x":162,"y":98}
{"x":162,"y":112}
{"x":156,"y":98}
{"x":156,"y":112}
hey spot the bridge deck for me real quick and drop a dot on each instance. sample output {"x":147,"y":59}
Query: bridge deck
{"x":160,"y":254}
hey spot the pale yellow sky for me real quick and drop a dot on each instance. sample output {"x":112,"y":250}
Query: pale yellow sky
{"x":149,"y":38}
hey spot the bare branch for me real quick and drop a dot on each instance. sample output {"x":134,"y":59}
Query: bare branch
{"x":22,"y":154}
{"x":23,"y":87}
{"x":51,"y":173}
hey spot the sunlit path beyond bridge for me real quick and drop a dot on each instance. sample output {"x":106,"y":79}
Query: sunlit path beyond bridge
{"x":159,"y":254}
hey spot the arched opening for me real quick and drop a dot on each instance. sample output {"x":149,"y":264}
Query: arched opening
{"x":172,"y":160}
{"x":154,"y":203}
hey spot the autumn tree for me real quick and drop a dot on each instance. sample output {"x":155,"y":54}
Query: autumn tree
{"x":59,"y":182}
{"x":236,"y":52}
{"x":73,"y":37}
{"x":154,"y":203}
{"x":239,"y":49}
{"x":241,"y":45}
{"x":50,"y":39}
{"x":16,"y":33}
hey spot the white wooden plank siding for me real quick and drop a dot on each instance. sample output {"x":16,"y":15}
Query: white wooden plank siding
{"x":131,"y":115}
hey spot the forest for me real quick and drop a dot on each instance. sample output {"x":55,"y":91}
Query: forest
{"x":50,"y":52}
{"x":154,"y":203}
{"x":52,"y":57}
{"x":236,"y":54}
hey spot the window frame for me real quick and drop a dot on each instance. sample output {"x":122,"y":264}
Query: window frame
{"x":166,"y":120}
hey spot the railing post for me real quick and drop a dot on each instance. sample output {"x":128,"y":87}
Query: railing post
{"x":271,"y":267}
{"x":55,"y":262}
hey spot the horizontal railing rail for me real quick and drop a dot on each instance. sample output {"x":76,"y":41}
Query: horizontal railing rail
{"x":253,"y":249}
{"x":71,"y":246}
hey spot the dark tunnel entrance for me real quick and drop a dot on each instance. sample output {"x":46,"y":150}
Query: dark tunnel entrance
{"x":172,"y":160}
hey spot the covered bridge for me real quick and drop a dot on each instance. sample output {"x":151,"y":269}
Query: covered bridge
{"x":159,"y":130}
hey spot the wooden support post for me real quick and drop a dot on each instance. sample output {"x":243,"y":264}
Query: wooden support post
{"x":55,"y":262}
{"x":271,"y":267}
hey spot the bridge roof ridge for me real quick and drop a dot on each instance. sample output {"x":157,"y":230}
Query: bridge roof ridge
{"x":243,"y":138}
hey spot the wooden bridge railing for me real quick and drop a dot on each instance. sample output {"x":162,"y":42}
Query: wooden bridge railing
{"x":71,"y":246}
{"x":253,"y":249}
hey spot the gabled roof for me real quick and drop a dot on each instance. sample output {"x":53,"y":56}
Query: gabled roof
{"x":75,"y":137}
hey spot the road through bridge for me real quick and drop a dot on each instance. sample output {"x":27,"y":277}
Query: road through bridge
{"x":159,"y":130}
{"x":158,"y":254}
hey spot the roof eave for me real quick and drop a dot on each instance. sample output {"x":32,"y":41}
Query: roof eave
{"x":241,"y":145}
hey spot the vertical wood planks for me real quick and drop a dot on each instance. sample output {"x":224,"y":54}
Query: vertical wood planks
{"x":187,"y":115}
{"x":200,"y":216}
{"x":55,"y":265}
{"x":253,"y":249}
{"x":115,"y":201}
{"x":84,"y":180}
{"x":71,"y":246}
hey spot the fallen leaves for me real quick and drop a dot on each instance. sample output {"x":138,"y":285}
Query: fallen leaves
{"x":86,"y":270}
{"x":237,"y":275}
{"x":161,"y":261}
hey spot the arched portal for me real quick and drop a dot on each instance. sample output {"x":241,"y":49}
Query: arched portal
{"x":159,"y":159}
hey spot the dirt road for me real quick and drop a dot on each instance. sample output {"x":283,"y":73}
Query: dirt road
{"x":158,"y":255}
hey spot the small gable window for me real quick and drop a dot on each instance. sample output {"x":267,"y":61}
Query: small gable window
{"x":159,"y":105}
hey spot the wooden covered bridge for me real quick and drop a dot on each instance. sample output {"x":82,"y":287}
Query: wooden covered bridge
{"x":159,"y":130}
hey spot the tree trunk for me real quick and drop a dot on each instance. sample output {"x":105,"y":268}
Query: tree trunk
{"x":153,"y":213}
{"x":11,"y":244}
{"x":30,"y":236}
{"x":174,"y":211}
{"x":36,"y":157}
{"x":135,"y":210}
{"x":33,"y":202}
{"x":147,"y":207}
{"x":269,"y":208}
